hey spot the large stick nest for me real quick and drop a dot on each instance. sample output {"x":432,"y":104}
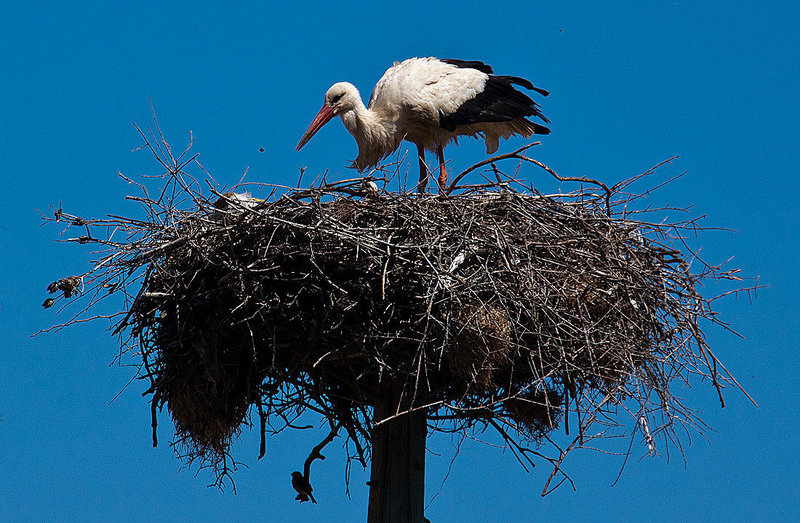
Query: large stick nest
{"x":495,"y":308}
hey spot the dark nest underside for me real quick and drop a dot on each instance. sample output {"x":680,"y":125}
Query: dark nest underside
{"x":496,"y":309}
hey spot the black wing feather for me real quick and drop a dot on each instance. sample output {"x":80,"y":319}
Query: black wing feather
{"x":525,"y":83}
{"x":469,"y":64}
{"x":498,"y":102}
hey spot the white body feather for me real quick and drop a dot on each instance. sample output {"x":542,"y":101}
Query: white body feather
{"x":407,"y":103}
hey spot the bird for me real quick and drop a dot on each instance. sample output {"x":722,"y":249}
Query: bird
{"x":430,"y":102}
{"x":303,"y":487}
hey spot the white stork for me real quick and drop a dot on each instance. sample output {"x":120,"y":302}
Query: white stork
{"x":430,"y":102}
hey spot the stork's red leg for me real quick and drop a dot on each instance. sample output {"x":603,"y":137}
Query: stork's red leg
{"x":423,"y":170}
{"x":442,"y":170}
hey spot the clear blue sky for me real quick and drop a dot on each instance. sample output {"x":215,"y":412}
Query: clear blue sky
{"x":632,"y":83}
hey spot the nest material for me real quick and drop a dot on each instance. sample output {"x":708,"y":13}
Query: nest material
{"x":481,"y":345}
{"x":491,"y":307}
{"x":479,"y":297}
{"x":535,"y":412}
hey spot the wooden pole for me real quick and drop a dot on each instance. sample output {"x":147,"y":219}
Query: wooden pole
{"x":397,"y":480}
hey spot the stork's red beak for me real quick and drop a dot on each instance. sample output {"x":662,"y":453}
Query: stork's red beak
{"x":323,"y":116}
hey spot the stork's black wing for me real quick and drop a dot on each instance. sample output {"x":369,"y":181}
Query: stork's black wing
{"x":498,"y":102}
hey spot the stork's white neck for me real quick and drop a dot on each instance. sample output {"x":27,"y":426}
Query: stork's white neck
{"x":374,"y":132}
{"x":359,"y":119}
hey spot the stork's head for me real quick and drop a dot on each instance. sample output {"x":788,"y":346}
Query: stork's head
{"x":340,"y":98}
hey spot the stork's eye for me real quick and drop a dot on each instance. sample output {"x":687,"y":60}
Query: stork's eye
{"x":335,"y":98}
